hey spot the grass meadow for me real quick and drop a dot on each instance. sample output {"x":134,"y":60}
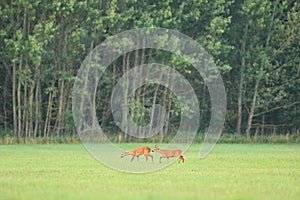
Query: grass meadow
{"x":230,"y":171}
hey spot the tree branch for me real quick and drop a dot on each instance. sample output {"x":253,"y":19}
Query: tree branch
{"x":276,"y":108}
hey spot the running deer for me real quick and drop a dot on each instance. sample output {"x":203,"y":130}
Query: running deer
{"x":169,"y":153}
{"x":137,"y":152}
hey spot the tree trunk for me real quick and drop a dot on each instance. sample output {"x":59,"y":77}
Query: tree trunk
{"x":125,"y":100}
{"x":58,"y":123}
{"x":30,"y":100}
{"x":19,"y":101}
{"x":240,"y":94}
{"x":25,"y":113}
{"x":153,"y":105}
{"x":263,"y":125}
{"x":37,"y":110}
{"x":4,"y":96}
{"x":241,"y":83}
{"x":252,"y":109}
{"x":49,"y":113}
{"x":14,"y":99}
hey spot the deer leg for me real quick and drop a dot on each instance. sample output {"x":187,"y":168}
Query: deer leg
{"x":151,"y":157}
{"x":146,"y":157}
{"x":181,"y":159}
{"x":164,"y":157}
{"x":132,"y":158}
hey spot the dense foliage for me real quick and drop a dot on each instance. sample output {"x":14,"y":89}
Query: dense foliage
{"x":255,"y":44}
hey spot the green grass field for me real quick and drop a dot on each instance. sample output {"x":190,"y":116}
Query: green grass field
{"x":232,"y":171}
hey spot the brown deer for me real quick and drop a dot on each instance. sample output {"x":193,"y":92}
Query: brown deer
{"x":169,"y":153}
{"x":137,"y":152}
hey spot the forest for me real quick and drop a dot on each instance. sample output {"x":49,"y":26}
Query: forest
{"x":255,"y":45}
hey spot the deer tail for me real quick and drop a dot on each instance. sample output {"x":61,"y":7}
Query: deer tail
{"x":181,"y":158}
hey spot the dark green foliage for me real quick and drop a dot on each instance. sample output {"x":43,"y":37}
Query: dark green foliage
{"x":255,"y":44}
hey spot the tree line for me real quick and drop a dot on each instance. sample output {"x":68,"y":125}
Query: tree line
{"x":255,"y":45}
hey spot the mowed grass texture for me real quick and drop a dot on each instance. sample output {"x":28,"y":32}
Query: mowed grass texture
{"x":231,"y":171}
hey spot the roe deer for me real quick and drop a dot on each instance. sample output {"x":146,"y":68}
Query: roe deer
{"x":137,"y":152}
{"x":169,"y":154}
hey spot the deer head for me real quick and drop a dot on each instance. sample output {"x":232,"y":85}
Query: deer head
{"x":156,"y":148}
